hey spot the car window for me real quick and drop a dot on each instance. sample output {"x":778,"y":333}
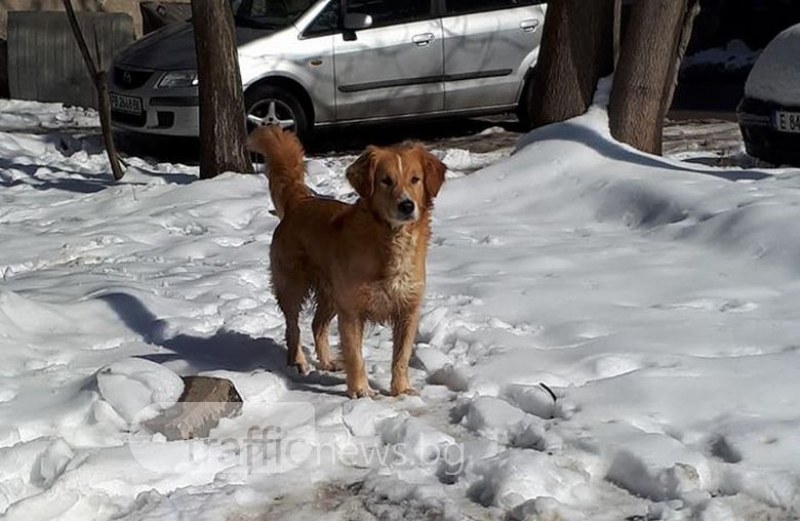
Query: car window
{"x":383,"y":12}
{"x":453,"y":7}
{"x":326,"y":22}
{"x":388,"y":12}
{"x":268,"y":13}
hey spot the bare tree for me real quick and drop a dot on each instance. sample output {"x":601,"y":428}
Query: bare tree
{"x":99,"y":77}
{"x":584,"y":41}
{"x":617,"y":30}
{"x":645,"y":76}
{"x":222,"y":115}
{"x":692,"y":10}
{"x":577,"y":50}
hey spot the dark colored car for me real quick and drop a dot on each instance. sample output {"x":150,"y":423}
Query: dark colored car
{"x":769,"y":113}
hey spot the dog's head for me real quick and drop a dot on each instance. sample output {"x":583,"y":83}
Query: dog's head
{"x":399,"y":183}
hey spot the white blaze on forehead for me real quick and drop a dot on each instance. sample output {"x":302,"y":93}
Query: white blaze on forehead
{"x":399,"y":163}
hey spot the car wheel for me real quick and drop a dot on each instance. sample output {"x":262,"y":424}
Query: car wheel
{"x":271,"y":105}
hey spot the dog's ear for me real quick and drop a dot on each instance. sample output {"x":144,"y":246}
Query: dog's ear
{"x":434,"y":172}
{"x":361,"y":174}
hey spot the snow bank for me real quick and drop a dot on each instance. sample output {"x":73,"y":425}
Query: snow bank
{"x":32,"y":116}
{"x":139,"y":389}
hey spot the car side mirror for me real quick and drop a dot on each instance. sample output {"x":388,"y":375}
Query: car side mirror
{"x":357,"y":21}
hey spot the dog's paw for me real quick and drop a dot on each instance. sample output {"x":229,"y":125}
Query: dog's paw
{"x":301,"y":366}
{"x":361,"y":392}
{"x":331,"y":366}
{"x":404,"y":391}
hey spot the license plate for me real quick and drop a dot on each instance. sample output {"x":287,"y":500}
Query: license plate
{"x":126,"y":104}
{"x":787,"y":121}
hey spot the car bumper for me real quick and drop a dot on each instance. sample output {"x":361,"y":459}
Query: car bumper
{"x":761,"y":138}
{"x":164,"y":112}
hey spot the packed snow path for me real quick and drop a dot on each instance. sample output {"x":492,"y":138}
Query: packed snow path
{"x":657,"y":300}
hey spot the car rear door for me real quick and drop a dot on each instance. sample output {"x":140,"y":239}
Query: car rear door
{"x":393,"y":68}
{"x":488,"y":47}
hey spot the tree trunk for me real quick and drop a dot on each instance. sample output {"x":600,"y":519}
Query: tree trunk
{"x":617,"y":30}
{"x":576,"y":51}
{"x":692,"y":10}
{"x":643,"y":81}
{"x":101,"y":86}
{"x":222,"y":116}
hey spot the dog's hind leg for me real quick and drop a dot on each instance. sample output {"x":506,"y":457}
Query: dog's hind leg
{"x":322,"y":320}
{"x":290,"y":295}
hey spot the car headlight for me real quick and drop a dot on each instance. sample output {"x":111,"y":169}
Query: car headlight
{"x":178,"y":79}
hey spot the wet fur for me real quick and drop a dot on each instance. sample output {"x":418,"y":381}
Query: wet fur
{"x":359,"y":262}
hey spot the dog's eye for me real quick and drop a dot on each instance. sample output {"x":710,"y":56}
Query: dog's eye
{"x":386,"y":181}
{"x":414,"y":180}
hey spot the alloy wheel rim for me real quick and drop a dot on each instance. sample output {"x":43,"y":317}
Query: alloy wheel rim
{"x":271,"y":112}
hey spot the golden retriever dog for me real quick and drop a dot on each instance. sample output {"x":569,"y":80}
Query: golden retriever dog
{"x":362,"y":262}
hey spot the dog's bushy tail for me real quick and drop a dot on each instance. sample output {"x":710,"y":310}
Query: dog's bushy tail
{"x":284,"y":155}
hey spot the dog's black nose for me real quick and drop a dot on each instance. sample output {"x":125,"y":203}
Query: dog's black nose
{"x":406,"y":207}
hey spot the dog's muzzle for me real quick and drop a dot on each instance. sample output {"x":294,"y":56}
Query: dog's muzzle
{"x":406,"y":208}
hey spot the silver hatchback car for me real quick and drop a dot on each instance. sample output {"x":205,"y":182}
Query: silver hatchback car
{"x":317,"y":63}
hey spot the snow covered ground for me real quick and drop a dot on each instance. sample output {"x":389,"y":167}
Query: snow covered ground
{"x":655,"y":300}
{"x":35,"y":117}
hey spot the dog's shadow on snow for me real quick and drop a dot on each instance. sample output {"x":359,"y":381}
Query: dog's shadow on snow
{"x":224,"y":350}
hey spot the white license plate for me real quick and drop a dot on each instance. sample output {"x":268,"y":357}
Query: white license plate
{"x":126,"y":104}
{"x":787,"y":121}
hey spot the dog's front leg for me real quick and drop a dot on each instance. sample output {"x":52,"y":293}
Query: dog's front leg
{"x":403,"y":333}
{"x":351,"y":332}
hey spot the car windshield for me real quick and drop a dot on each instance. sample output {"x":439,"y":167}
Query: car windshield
{"x":268,"y":14}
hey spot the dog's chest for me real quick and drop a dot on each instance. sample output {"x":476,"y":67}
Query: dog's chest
{"x":401,"y":283}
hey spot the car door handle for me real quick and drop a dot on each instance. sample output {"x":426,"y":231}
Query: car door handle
{"x":423,"y":40}
{"x":529,"y":25}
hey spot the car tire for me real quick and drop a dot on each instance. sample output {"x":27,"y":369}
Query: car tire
{"x":284,"y":105}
